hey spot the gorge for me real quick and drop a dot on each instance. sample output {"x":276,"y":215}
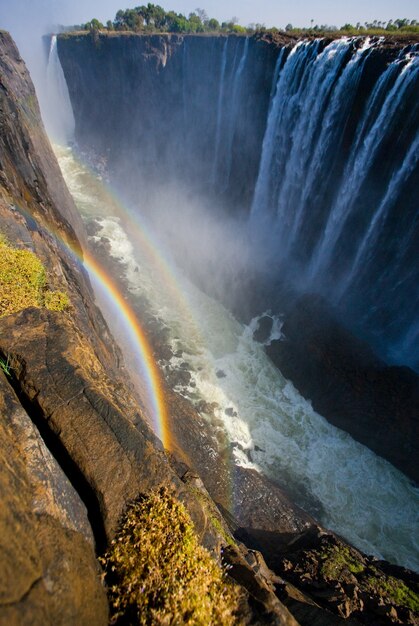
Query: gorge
{"x":291,"y":171}
{"x":219,"y":180}
{"x":254,"y":147}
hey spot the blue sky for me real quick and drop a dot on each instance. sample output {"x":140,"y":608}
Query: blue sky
{"x":27,"y":20}
{"x":269,"y":12}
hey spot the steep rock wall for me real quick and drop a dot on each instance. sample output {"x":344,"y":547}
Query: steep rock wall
{"x":138,"y":99}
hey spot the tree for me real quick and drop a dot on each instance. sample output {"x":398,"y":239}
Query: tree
{"x":132,"y":20}
{"x":119,"y":20}
{"x":236,"y":28}
{"x":288,"y":27}
{"x":195,"y":23}
{"x":94,"y":25}
{"x":176,"y":23}
{"x":213,"y":24}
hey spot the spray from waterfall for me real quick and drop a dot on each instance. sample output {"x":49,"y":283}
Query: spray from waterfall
{"x":58,"y":113}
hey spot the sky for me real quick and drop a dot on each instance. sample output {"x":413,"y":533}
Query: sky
{"x":269,"y":12}
{"x":27,"y":20}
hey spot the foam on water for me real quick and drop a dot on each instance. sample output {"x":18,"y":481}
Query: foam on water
{"x":270,"y":426}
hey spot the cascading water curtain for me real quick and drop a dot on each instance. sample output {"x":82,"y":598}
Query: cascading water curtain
{"x":335,"y":200}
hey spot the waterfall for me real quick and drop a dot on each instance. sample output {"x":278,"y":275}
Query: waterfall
{"x":333,"y":100}
{"x":277,"y":136}
{"x":230,"y":100}
{"x":232,"y":114}
{"x":219,"y":111}
{"x":331,"y":199}
{"x":59,"y":119}
{"x":360,"y":164}
{"x":368,"y":242}
{"x":184,"y":83}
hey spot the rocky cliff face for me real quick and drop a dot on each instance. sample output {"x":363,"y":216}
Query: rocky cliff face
{"x":349,"y":385}
{"x":143,"y":96}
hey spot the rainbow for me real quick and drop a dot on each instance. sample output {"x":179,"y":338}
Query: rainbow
{"x":149,"y":368}
{"x":139,"y":234}
{"x":142,"y":348}
{"x":135,"y":226}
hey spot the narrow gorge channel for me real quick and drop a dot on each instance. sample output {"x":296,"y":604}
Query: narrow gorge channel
{"x":189,"y":178}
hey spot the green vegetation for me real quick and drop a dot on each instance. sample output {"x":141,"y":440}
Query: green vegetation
{"x":5,"y":366}
{"x":395,"y":590}
{"x":399,"y":26}
{"x":152,"y":18}
{"x":23,"y":282}
{"x":337,"y":559}
{"x":157,"y":573}
{"x":55,"y":300}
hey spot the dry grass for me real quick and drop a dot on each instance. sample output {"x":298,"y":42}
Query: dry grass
{"x":23,"y":282}
{"x":158,"y":574}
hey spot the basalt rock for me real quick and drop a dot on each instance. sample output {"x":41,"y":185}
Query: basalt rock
{"x":150,"y":70}
{"x":346,"y":582}
{"x":377,"y":404}
{"x":50,"y":574}
{"x":29,"y":172}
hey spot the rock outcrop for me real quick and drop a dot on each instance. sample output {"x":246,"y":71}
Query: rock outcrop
{"x":50,"y":574}
{"x":349,"y":385}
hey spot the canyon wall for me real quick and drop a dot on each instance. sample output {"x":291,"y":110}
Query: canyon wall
{"x":316,"y":140}
{"x":76,"y":443}
{"x":164,"y":106}
{"x":314,"y":144}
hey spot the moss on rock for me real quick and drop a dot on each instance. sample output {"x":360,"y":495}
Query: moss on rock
{"x":23,"y":282}
{"x":393,"y":589}
{"x":157,"y":573}
{"x":336,"y":559}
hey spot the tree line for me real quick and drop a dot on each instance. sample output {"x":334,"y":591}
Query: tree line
{"x":390,"y":26}
{"x":152,"y":18}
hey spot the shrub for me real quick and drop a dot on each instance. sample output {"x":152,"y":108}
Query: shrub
{"x":157,"y":573}
{"x":56,"y":300}
{"x":23,"y":282}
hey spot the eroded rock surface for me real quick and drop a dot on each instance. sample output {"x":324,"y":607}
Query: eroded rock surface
{"x":50,"y":575}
